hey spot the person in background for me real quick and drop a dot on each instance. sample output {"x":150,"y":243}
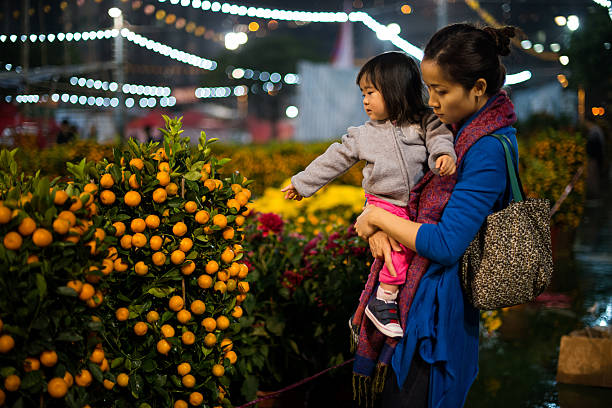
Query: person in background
{"x":148,"y":134}
{"x":93,"y":133}
{"x":66,"y":133}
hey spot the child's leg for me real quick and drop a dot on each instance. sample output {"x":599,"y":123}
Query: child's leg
{"x":382,"y":310}
{"x":400,"y":263}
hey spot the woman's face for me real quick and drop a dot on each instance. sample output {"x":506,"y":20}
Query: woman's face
{"x":450,"y":101}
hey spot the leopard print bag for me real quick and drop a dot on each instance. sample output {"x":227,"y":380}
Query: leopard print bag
{"x":509,"y":262}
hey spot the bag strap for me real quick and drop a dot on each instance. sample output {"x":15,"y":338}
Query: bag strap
{"x":515,"y":181}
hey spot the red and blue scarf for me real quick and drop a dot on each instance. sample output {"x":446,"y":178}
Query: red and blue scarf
{"x":427,"y":201}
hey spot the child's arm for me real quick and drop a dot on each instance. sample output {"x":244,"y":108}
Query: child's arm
{"x":337,"y":159}
{"x":439,"y":141}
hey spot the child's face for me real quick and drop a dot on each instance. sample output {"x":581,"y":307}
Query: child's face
{"x":373,"y":102}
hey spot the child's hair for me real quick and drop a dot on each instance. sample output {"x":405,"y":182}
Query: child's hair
{"x":467,"y":53}
{"x":396,"y":76}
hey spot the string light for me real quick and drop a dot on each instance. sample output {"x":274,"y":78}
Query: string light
{"x":76,"y":37}
{"x":263,"y":76}
{"x":132,"y":89}
{"x":221,"y":92}
{"x":291,"y":111}
{"x":513,"y":79}
{"x":381,"y":30}
{"x":168,"y":51}
{"x":91,"y":100}
{"x":386,"y":33}
{"x":129,"y":35}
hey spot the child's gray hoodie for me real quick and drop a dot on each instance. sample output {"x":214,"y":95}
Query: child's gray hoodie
{"x":397,"y":158}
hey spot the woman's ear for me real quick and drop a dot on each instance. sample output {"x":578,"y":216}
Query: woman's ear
{"x":480,"y":87}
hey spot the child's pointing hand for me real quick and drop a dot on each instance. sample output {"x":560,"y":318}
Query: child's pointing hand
{"x":291,"y":193}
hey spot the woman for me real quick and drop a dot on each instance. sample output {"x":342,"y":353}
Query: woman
{"x":437,"y":359}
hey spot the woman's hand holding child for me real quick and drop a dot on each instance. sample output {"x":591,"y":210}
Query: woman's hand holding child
{"x":381,"y":246}
{"x":364,"y":224}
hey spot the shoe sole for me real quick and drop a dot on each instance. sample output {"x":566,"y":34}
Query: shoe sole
{"x":380,"y":327}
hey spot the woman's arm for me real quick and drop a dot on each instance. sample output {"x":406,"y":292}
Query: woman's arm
{"x":374,"y":218}
{"x":481,"y":182}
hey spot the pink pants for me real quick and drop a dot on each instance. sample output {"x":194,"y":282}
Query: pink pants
{"x":400,"y":259}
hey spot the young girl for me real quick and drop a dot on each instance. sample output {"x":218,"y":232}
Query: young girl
{"x":400,"y":142}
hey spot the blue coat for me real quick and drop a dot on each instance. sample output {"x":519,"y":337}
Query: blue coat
{"x":442,"y":326}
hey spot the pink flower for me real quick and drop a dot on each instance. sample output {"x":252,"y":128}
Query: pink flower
{"x":311,"y":245}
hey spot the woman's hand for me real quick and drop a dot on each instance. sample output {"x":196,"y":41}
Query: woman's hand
{"x":381,"y":246}
{"x":365,"y":222}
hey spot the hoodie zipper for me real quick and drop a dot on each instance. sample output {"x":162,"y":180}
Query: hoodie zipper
{"x":401,"y":160}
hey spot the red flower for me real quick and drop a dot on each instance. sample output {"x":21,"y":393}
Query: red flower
{"x":291,"y":280}
{"x":270,"y":222}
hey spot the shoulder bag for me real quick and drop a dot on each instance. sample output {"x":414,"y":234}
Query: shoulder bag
{"x":509,"y":262}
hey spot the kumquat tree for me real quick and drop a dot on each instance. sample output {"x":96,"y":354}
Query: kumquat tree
{"x":133,"y":301}
{"x":52,"y":284}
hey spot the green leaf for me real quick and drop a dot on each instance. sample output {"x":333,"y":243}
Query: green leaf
{"x":95,"y":326}
{"x":165,"y":395}
{"x":161,"y":292}
{"x":18,"y":403}
{"x":193,"y":176}
{"x":41,"y":285}
{"x":275,"y":326}
{"x":149,"y":366}
{"x":136,"y":384}
{"x":117,"y":362}
{"x":176,"y":381}
{"x":197,"y":166}
{"x":32,"y":381}
{"x":294,"y":346}
{"x":41,"y":322}
{"x":69,"y":336}
{"x":96,"y":372}
{"x":6,"y":371}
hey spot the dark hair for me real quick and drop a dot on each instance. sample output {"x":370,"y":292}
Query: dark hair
{"x":467,"y":53}
{"x":396,"y":76}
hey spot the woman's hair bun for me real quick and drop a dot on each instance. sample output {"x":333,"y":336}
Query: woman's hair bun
{"x":501,"y":37}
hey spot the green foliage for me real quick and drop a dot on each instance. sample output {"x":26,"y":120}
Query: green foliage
{"x":549,"y":159}
{"x":42,"y":305}
{"x":305,"y":288}
{"x":153,"y":374}
{"x":37,"y":309}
